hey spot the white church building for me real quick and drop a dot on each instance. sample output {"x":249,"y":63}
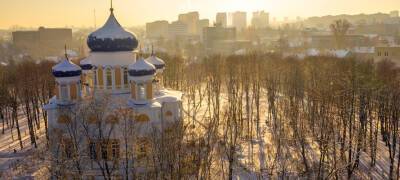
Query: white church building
{"x":107,"y":109}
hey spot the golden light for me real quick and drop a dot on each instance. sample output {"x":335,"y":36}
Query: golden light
{"x":244,"y":5}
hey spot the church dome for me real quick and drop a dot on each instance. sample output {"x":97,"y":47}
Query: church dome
{"x":157,"y":62}
{"x":112,"y":37}
{"x":141,"y":68}
{"x":66,"y":68}
{"x":86,"y":64}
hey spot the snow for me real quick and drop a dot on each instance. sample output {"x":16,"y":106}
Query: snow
{"x":168,"y":96}
{"x":85,"y":61}
{"x":240,"y":52}
{"x":112,"y":30}
{"x":52,"y":58}
{"x":141,"y":64}
{"x":363,"y":50}
{"x":65,"y":66}
{"x":71,"y":53}
{"x":23,"y":163}
{"x":312,"y":52}
{"x":340,"y":53}
{"x":155,"y":60}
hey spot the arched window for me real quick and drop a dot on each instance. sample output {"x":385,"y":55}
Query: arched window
{"x":64,"y":119}
{"x":68,"y":148}
{"x":142,"y":118}
{"x":109,"y":78}
{"x":168,"y":114}
{"x":92,"y":118}
{"x":126,"y":81}
{"x":64,"y":92}
{"x":141,"y":92}
{"x":142,"y":150}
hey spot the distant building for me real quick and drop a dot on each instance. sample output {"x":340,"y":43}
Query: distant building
{"x":212,"y":36}
{"x":177,"y":29}
{"x":239,"y":20}
{"x":191,"y":19}
{"x":203,"y":23}
{"x":44,"y":42}
{"x":394,"y":14}
{"x":157,"y":29}
{"x":260,"y":19}
{"x":329,"y":42}
{"x":221,"y":19}
{"x":388,"y":53}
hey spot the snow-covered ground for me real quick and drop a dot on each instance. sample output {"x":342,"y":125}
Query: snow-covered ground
{"x":255,"y":156}
{"x":19,"y":164}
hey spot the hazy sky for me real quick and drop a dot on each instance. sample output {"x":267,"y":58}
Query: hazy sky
{"x":60,"y":13}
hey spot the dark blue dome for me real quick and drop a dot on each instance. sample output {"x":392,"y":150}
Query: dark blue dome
{"x":66,"y":69}
{"x":141,"y":68}
{"x":112,"y":37}
{"x":86,"y":66}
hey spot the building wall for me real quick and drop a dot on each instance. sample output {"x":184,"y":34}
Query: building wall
{"x":157,"y":29}
{"x":218,"y":33}
{"x":44,"y":42}
{"x":239,"y":20}
{"x":388,"y":53}
{"x":177,"y":29}
{"x":222,"y":19}
{"x":260,"y":19}
{"x":191,"y":19}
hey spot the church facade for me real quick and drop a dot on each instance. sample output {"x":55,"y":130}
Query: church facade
{"x":109,"y":110}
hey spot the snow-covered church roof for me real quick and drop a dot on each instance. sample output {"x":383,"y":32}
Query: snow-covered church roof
{"x":66,"y":68}
{"x":112,"y":37}
{"x":141,"y":68}
{"x":157,"y":62}
{"x":86,"y":64}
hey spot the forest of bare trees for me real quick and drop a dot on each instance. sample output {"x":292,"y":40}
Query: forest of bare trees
{"x":322,"y":117}
{"x":318,"y":118}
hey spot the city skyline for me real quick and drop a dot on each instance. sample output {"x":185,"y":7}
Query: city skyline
{"x":81,"y":13}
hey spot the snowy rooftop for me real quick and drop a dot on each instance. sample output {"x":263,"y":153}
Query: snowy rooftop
{"x":65,"y":66}
{"x":168,"y":96}
{"x":364,"y":49}
{"x":112,"y":30}
{"x":141,"y":64}
{"x":312,"y":52}
{"x":155,"y":61}
{"x":340,"y":53}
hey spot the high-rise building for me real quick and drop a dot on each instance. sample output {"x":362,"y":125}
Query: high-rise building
{"x":221,"y":19}
{"x":239,"y":20}
{"x":203,"y":23}
{"x":177,"y":29}
{"x":260,"y":19}
{"x":157,"y":29}
{"x":191,"y":19}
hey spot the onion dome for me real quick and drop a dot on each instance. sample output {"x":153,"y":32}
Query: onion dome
{"x":86,"y":64}
{"x":112,"y":37}
{"x":66,"y":68}
{"x":141,"y":68}
{"x":157,"y":62}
